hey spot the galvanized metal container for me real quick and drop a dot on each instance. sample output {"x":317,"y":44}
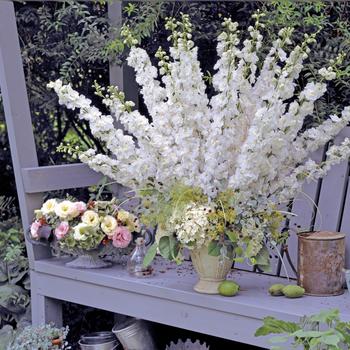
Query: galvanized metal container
{"x":112,"y":345}
{"x":134,"y":335}
{"x":99,"y":341}
{"x":321,"y":260}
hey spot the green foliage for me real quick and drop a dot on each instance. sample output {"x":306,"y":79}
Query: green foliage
{"x":214,"y":248}
{"x":159,"y":207}
{"x":331,"y":21}
{"x":169,"y":248}
{"x":39,"y":338}
{"x":323,"y":331}
{"x":263,"y":260}
{"x":140,"y":21}
{"x":14,"y":269}
{"x":150,"y":255}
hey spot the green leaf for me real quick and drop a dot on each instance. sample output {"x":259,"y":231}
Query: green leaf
{"x":232,"y":236}
{"x":263,"y":260}
{"x":239,"y":251}
{"x":150,"y":255}
{"x":325,"y":316}
{"x":280,"y":339}
{"x":265,"y":268}
{"x":273,"y":326}
{"x":263,"y":257}
{"x":333,"y":339}
{"x":307,"y":334}
{"x":214,"y":248}
{"x":168,"y":247}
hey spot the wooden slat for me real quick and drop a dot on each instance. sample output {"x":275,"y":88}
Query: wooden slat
{"x":345,"y":226}
{"x":303,"y":208}
{"x":331,"y":199}
{"x":58,"y":177}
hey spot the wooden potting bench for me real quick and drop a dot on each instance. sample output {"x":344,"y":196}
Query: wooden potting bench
{"x":167,"y":297}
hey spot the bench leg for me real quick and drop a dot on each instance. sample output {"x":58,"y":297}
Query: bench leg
{"x":46,"y":310}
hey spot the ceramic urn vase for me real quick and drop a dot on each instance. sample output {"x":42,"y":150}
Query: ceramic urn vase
{"x":212,"y":270}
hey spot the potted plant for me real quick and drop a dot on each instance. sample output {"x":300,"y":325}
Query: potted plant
{"x":246,"y":143}
{"x":86,"y":230}
{"x":320,"y":332}
{"x":44,"y":337}
{"x":212,"y":231}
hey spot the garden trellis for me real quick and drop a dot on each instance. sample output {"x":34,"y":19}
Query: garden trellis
{"x":165,"y":298}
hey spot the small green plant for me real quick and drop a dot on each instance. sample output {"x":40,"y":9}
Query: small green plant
{"x":324,"y":331}
{"x":14,"y":276}
{"x":45,"y":337}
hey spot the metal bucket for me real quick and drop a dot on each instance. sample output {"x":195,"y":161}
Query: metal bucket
{"x":134,"y":335}
{"x":99,"y":341}
{"x":321,"y":260}
{"x":113,"y":345}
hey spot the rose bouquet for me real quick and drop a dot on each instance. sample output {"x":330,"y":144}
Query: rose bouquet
{"x":77,"y":227}
{"x":247,"y":143}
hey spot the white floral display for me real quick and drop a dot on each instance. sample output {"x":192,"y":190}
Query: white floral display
{"x":191,"y":230}
{"x":248,"y":137}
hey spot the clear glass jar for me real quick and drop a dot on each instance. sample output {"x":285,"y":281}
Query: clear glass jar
{"x":135,"y":262}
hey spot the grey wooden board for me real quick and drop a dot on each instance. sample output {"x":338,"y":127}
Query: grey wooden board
{"x":345,"y":226}
{"x":167,"y":297}
{"x":18,"y":118}
{"x":330,"y":203}
{"x":303,"y":208}
{"x":58,"y":177}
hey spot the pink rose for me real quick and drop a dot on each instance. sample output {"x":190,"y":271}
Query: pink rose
{"x":61,"y":230}
{"x":80,"y":207}
{"x":121,"y":237}
{"x":34,"y":229}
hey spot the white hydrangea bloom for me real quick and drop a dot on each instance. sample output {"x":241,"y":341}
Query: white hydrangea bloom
{"x":191,"y":228}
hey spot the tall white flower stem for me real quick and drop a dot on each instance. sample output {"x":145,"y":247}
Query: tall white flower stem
{"x":248,"y":137}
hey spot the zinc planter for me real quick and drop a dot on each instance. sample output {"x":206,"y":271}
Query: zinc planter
{"x":134,"y":334}
{"x":211,"y":270}
{"x":99,"y":341}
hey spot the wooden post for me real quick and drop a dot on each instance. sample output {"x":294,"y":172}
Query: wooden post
{"x":18,"y":118}
{"x":121,"y":76}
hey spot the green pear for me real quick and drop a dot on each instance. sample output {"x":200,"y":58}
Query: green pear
{"x":292,"y":291}
{"x":276,"y":290}
{"x":228,"y":288}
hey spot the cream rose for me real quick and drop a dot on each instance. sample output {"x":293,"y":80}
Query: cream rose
{"x":49,"y":207}
{"x":82,"y":231}
{"x":90,"y":218}
{"x":109,"y":224}
{"x":123,"y":215}
{"x":65,"y":210}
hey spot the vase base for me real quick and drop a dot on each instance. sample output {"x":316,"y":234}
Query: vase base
{"x":207,"y":286}
{"x":88,"y":262}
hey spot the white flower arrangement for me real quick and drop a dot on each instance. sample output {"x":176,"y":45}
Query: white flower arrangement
{"x":248,"y":137}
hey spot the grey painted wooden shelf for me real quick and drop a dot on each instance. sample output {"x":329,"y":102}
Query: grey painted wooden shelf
{"x":167,"y":297}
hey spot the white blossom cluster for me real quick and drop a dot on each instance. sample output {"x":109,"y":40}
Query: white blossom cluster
{"x":191,"y":228}
{"x":247,"y":137}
